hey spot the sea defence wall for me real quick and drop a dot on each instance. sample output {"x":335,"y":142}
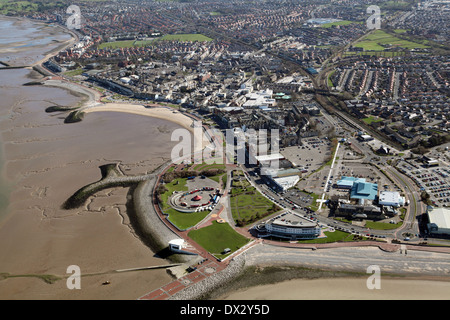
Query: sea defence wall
{"x":152,"y":228}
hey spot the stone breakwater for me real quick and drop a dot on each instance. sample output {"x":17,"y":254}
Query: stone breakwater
{"x":151,"y":225}
{"x":201,"y":289}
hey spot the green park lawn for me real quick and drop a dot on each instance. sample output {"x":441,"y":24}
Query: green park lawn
{"x":380,"y":40}
{"x":117,"y":44}
{"x":382,"y":225}
{"x":182,"y":220}
{"x":217,"y":237}
{"x":371,"y":119}
{"x":248,"y":205}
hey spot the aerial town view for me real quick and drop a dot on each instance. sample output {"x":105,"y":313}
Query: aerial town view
{"x":225,"y":150}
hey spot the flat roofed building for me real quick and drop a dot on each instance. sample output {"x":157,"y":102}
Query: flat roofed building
{"x":359,"y":211}
{"x":291,"y":226}
{"x":286,"y":182}
{"x":391,"y":198}
{"x":269,"y":157}
{"x":365,"y":137}
{"x":439,"y":221}
{"x":347,"y":182}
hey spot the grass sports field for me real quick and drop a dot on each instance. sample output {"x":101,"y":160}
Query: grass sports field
{"x":380,"y":40}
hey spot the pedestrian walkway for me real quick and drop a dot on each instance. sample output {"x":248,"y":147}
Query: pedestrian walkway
{"x":201,"y":272}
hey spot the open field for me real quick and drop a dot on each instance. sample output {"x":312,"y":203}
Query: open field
{"x":217,"y":237}
{"x":186,"y":37}
{"x":380,"y":40}
{"x":371,"y":119}
{"x":385,"y":54}
{"x":117,"y":44}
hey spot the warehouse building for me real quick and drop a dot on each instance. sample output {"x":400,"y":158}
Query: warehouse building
{"x":353,"y":211}
{"x":439,"y":221}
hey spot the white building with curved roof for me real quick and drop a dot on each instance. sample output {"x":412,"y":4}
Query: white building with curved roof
{"x":291,"y":226}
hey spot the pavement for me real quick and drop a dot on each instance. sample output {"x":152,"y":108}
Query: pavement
{"x":203,"y":271}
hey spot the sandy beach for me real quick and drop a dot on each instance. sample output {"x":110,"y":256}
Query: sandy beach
{"x":346,"y":289}
{"x":158,"y":112}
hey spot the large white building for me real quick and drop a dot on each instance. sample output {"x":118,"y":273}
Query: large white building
{"x":439,"y":221}
{"x":391,"y":198}
{"x":284,"y":183}
{"x":290,"y":226}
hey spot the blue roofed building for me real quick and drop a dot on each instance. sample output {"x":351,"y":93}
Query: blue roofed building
{"x":347,"y":182}
{"x":311,"y":70}
{"x":364,"y":191}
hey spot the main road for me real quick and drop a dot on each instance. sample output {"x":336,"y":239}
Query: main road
{"x":415,"y":207}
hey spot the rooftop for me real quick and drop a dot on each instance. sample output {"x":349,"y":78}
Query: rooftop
{"x":364,"y":190}
{"x":292,"y":220}
{"x":270,"y":157}
{"x":391,"y":197}
{"x":349,"y":181}
{"x":439,"y":217}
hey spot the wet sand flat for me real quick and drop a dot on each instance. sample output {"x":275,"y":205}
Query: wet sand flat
{"x":45,"y":162}
{"x":346,"y":289}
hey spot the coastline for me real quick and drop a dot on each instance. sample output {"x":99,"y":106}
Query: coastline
{"x":159,"y":112}
{"x":343,"y":287}
{"x":47,"y":161}
{"x":164,"y":113}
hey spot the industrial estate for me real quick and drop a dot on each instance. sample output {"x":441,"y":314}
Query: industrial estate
{"x":362,"y":153}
